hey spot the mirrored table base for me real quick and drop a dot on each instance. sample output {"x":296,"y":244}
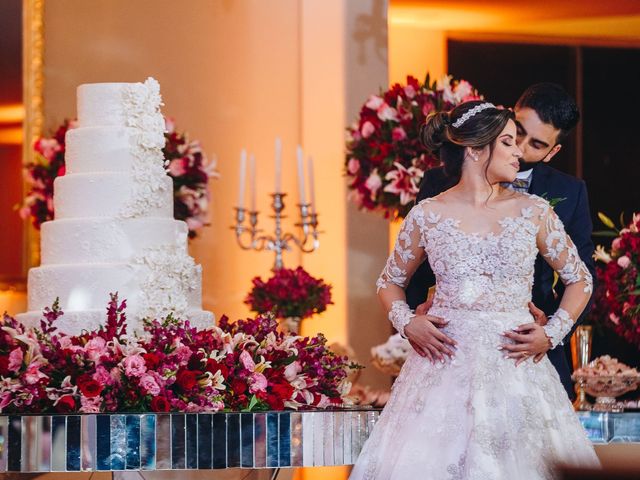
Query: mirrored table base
{"x":154,"y":442}
{"x":160,"y":442}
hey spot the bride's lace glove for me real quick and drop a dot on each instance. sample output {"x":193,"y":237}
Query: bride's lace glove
{"x":400,"y":315}
{"x":558,"y":326}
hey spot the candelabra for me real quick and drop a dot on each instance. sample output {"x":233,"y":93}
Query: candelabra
{"x":250,"y":237}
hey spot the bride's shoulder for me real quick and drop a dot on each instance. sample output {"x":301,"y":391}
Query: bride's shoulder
{"x":429,"y":209}
{"x":535,"y":204}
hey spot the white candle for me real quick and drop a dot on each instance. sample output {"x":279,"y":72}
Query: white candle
{"x":252,"y":181}
{"x":300,"y":156}
{"x":243,"y":174}
{"x":312,"y":187}
{"x":278,"y":164}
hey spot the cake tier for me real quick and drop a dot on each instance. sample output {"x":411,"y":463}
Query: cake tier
{"x":106,"y":194}
{"x":74,"y":322}
{"x":101,"y":104}
{"x":100,"y":149}
{"x":88,"y":286}
{"x":103,"y":240}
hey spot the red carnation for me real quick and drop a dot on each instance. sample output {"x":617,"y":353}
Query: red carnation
{"x":238,"y":386}
{"x":187,"y":379}
{"x":160,"y":404}
{"x":88,"y":386}
{"x":66,"y":404}
{"x":151,"y":360}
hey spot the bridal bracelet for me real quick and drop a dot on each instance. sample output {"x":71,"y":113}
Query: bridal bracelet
{"x":400,"y":315}
{"x":558,"y":326}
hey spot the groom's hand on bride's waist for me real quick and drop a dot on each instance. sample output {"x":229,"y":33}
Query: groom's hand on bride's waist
{"x":426,"y":338}
{"x":530,"y":339}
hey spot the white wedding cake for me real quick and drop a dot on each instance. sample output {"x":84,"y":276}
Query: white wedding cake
{"x":114,"y":229}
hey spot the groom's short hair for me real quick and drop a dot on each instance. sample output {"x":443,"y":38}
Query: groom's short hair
{"x":553,"y":105}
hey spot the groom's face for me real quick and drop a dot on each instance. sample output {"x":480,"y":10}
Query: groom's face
{"x":536,"y":139}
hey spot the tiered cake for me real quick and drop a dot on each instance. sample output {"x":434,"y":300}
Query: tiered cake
{"x":114,"y":229}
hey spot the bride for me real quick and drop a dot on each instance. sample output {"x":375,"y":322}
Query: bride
{"x":483,"y":412}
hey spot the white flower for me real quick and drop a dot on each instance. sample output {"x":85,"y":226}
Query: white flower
{"x":386,"y":112}
{"x":601,"y":254}
{"x":373,"y":183}
{"x":374,"y":102}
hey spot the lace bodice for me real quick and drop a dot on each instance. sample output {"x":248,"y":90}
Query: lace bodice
{"x":492,"y":271}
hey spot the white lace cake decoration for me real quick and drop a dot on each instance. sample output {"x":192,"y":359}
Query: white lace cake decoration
{"x":171,"y":274}
{"x":142,"y":103}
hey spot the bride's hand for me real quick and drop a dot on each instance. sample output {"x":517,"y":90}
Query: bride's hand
{"x":531,"y":340}
{"x":426,"y":339}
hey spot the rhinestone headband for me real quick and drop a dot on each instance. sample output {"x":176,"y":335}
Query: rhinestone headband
{"x":475,"y":110}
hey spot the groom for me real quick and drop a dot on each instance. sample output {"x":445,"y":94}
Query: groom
{"x":545,"y":114}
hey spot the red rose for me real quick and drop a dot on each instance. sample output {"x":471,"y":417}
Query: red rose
{"x":160,"y":404}
{"x":213,"y":367}
{"x":187,"y":379}
{"x":66,"y":404}
{"x":4,"y":365}
{"x":283,"y":390}
{"x":151,"y":360}
{"x":238,"y":386}
{"x":88,"y":386}
{"x":275,"y":402}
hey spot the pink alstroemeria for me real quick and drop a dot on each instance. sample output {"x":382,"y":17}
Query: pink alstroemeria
{"x":404,"y":182}
{"x":95,"y":348}
{"x":257,"y":383}
{"x":15,"y":359}
{"x":177,"y":167}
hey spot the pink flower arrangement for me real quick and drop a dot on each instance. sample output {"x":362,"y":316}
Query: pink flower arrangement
{"x":170,"y":366}
{"x":187,"y":165}
{"x":617,"y":296}
{"x":385,"y":159}
{"x":289,"y":293}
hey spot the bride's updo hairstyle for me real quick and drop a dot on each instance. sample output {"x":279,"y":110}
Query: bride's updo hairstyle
{"x":446,"y":134}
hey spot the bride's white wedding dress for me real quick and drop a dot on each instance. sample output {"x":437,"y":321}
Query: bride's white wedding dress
{"x":478,"y":416}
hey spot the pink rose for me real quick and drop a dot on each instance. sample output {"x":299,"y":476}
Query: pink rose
{"x":48,"y":147}
{"x":398,"y":134}
{"x":177,"y":167}
{"x":247,"y":362}
{"x":148,"y":383}
{"x":367,"y":129}
{"x":102,"y":376}
{"x":614,"y":318}
{"x":134,"y":366}
{"x":615,"y":245}
{"x":95,"y":348}
{"x":427,"y":108}
{"x":257,"y":383}
{"x":353,"y":166}
{"x":624,"y":261}
{"x":15,"y":359}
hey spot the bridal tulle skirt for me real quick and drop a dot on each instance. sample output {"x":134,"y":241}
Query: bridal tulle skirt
{"x":477,"y":416}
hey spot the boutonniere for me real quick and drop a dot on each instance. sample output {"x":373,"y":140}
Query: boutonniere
{"x":553,"y":201}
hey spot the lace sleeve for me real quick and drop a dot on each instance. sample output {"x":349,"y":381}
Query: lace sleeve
{"x":408,"y":253}
{"x":559,"y":251}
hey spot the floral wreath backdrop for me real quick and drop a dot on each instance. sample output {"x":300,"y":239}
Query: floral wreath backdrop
{"x":385,"y":160}
{"x":186,"y":164}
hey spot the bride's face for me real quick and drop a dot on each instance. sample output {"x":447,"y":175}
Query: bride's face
{"x":504,"y":164}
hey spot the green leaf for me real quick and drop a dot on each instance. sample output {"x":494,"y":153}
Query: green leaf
{"x":606,"y":220}
{"x":635,"y":292}
{"x":622,"y":222}
{"x":605,"y":233}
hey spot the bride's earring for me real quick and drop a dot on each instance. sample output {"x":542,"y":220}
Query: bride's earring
{"x":475,"y":157}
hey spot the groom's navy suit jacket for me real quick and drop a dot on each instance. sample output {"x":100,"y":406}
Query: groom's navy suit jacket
{"x":574,"y":212}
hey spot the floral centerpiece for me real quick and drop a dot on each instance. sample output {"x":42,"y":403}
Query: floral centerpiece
{"x":385,"y":159}
{"x":243,"y":366}
{"x":289,"y":294}
{"x":617,"y":296}
{"x":186,"y":164}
